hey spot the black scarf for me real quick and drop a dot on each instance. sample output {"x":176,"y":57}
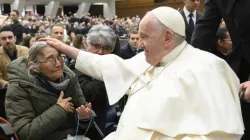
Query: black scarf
{"x":12,"y":57}
{"x":55,"y":87}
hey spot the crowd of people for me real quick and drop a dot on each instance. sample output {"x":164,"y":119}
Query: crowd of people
{"x":36,"y":26}
{"x":178,"y":76}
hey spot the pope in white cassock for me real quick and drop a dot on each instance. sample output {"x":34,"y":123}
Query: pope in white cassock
{"x":176,"y":92}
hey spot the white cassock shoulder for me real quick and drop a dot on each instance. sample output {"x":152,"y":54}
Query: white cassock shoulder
{"x":196,"y":94}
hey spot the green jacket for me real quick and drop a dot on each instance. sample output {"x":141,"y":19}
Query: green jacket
{"x":33,"y":110}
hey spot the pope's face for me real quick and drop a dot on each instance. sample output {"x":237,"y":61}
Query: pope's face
{"x":151,"y":40}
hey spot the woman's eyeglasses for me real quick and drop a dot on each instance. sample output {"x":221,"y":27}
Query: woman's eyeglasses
{"x":52,"y":61}
{"x":98,"y":46}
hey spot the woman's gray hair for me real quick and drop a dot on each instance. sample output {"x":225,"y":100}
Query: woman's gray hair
{"x":102,"y":33}
{"x":34,"y":54}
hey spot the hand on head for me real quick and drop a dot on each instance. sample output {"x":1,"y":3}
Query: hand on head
{"x":63,"y":48}
{"x":246,"y":86}
{"x":53,"y":42}
{"x":65,"y":103}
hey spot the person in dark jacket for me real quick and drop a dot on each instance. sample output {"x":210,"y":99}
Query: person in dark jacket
{"x":223,"y":44}
{"x":33,"y":30}
{"x":43,"y":95}
{"x":101,"y":40}
{"x":128,"y":51}
{"x":236,"y":15}
{"x":190,"y":15}
{"x":132,"y":48}
{"x":17,"y":28}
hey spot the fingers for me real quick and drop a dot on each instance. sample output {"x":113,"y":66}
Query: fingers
{"x":68,"y":99}
{"x":244,"y":85}
{"x":71,"y":104}
{"x":47,"y":39}
{"x":241,"y":86}
{"x":61,"y":95}
{"x":90,"y":106}
{"x":89,"y":112}
{"x":82,"y":109}
{"x":247,"y":89}
{"x":71,"y":109}
{"x":78,"y":111}
{"x":50,"y":41}
{"x":84,"y":112}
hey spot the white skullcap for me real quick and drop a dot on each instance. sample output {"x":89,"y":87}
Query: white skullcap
{"x":171,"y":18}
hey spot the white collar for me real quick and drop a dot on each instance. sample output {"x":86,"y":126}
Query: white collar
{"x":172,"y":54}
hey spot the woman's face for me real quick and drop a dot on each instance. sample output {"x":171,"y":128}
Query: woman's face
{"x":32,"y":41}
{"x":51,"y":63}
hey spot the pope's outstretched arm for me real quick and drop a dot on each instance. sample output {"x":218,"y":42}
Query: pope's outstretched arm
{"x":117,"y":74}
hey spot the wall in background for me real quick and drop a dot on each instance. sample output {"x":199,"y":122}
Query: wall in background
{"x":140,"y":7}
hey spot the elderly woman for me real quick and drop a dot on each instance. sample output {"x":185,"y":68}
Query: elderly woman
{"x":42,"y":96}
{"x":101,"y":40}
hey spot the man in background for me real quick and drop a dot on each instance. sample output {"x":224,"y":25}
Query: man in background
{"x":57,"y":32}
{"x":9,"y":51}
{"x":17,"y":28}
{"x":191,"y":16}
{"x":132,"y":48}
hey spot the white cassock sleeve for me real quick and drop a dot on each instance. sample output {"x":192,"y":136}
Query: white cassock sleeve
{"x":117,"y":74}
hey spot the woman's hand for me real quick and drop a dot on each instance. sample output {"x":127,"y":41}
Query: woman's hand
{"x":84,"y":112}
{"x":65,"y":104}
{"x":246,"y":86}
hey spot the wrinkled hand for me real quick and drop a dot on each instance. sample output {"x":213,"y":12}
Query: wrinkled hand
{"x":65,"y":104}
{"x":246,"y":86}
{"x":84,"y":112}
